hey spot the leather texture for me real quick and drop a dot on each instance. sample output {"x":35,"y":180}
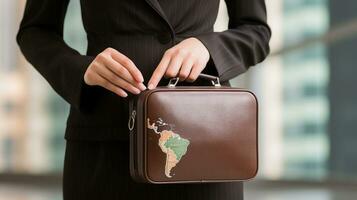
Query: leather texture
{"x":221,"y":124}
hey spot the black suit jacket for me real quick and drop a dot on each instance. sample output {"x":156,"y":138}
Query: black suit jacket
{"x":141,"y":30}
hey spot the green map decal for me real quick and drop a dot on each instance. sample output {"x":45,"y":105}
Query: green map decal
{"x":172,"y":144}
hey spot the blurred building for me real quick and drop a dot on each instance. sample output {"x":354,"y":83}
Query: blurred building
{"x":304,"y":82}
{"x":292,"y":85}
{"x":32,"y":115}
{"x":303,"y":129}
{"x":342,"y":92}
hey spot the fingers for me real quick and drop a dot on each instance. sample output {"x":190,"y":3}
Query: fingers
{"x":174,"y":66}
{"x":115,"y":75}
{"x":122,"y":72}
{"x":195,"y":72}
{"x":185,"y":69}
{"x":159,"y":71}
{"x":128,"y":64}
{"x":186,"y":60}
{"x":109,"y":86}
{"x":116,"y":80}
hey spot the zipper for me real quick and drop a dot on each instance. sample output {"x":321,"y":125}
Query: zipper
{"x":133,"y":138}
{"x":131,"y":123}
{"x":132,"y":115}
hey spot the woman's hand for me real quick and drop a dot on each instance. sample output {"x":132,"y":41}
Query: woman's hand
{"x":186,"y":60}
{"x":115,"y":72}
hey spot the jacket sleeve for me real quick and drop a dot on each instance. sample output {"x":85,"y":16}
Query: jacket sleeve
{"x":245,"y":42}
{"x":40,"y":38}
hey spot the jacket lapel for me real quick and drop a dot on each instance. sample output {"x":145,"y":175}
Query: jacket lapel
{"x":156,"y":6}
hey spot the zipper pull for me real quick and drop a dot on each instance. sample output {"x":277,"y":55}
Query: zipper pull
{"x":131,"y":122}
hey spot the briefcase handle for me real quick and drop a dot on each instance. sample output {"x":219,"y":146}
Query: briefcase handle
{"x":214,"y":80}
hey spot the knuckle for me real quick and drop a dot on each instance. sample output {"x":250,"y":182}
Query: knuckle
{"x":97,"y":65}
{"x":181,"y":52}
{"x":190,"y":54}
{"x":93,"y":67}
{"x":126,"y":62}
{"x":89,"y":71}
{"x":177,"y":52}
{"x":96,"y":68}
{"x":94,"y":64}
{"x":170,"y":73}
{"x":112,"y":77}
{"x":169,"y":52}
{"x":109,"y":50}
{"x":89,"y":75}
{"x":90,"y":78}
{"x":125,"y":85}
{"x":101,"y":57}
{"x":120,"y":70}
{"x":183,"y":75}
{"x":155,"y":77}
{"x":191,"y":78}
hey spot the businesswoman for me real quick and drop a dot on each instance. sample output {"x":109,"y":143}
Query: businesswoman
{"x":134,"y":45}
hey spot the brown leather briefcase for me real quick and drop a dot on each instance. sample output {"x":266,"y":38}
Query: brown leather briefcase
{"x":193,"y":134}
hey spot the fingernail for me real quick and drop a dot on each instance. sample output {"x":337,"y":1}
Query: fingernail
{"x":125,"y":94}
{"x":141,"y":79}
{"x":142,"y":86}
{"x":151,"y":86}
{"x":137,"y":91}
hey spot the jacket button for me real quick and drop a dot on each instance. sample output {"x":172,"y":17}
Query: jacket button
{"x":164,"y":38}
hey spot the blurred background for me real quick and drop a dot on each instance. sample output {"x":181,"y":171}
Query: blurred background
{"x":306,"y":91}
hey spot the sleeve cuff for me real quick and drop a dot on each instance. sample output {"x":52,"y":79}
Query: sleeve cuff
{"x":84,"y":95}
{"x":226,"y":70}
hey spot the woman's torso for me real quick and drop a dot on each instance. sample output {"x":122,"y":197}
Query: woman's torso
{"x":134,"y":28}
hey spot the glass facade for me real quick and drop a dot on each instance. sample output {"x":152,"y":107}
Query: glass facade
{"x":292,"y":86}
{"x":32,"y":115}
{"x":305,"y":79}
